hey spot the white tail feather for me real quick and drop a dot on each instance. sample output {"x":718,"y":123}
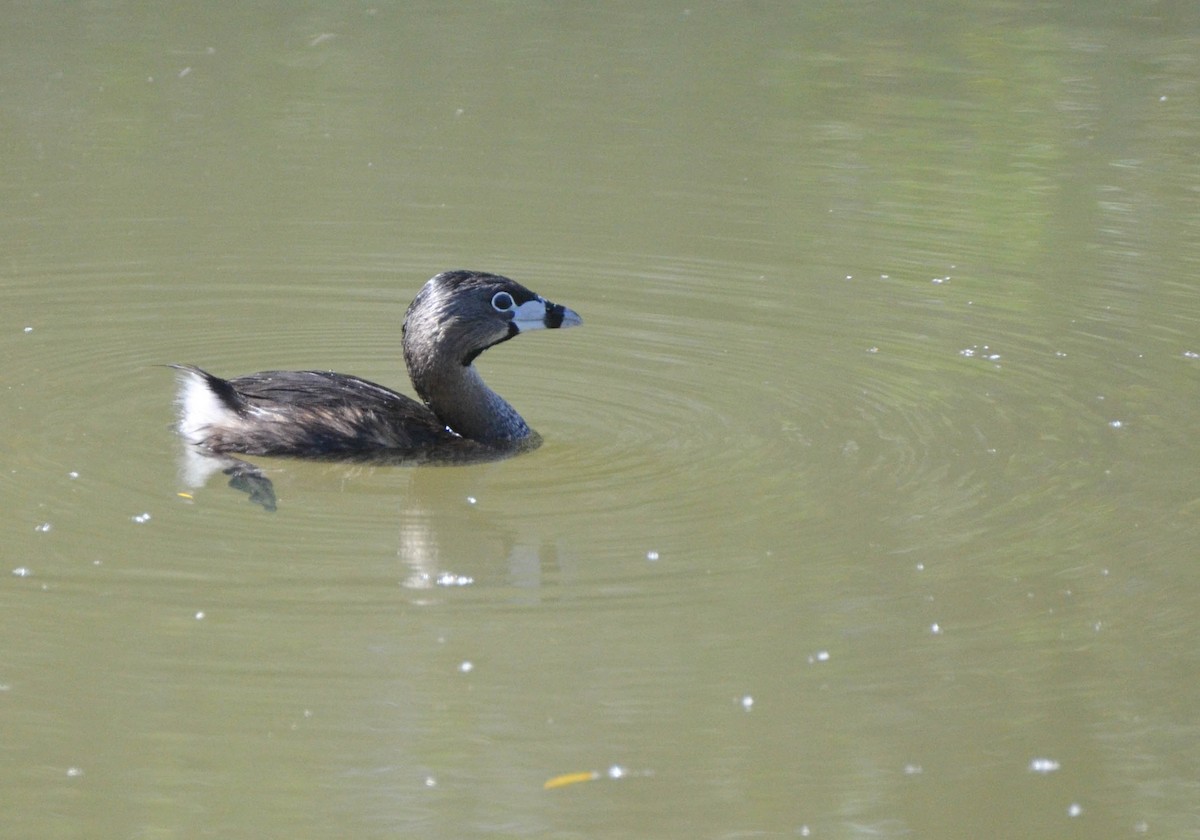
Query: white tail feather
{"x":199,"y":408}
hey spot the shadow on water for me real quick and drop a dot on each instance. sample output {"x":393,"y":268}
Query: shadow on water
{"x":197,"y":467}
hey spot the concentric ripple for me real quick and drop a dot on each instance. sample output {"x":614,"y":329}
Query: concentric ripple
{"x":696,"y":398}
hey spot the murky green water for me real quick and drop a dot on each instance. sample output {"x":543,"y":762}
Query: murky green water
{"x":868,"y":502}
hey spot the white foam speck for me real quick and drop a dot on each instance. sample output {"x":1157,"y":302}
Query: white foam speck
{"x":1043,"y":765}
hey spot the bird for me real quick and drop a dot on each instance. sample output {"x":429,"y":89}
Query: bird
{"x":454,"y":318}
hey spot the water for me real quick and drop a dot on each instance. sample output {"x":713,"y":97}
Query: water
{"x":866,"y":505}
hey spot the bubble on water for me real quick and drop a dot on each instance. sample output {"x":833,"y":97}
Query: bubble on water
{"x":140,"y":518}
{"x":980,"y":351}
{"x":651,"y":555}
{"x":1074,"y":809}
{"x":747,"y":702}
{"x":1043,"y":765}
{"x":466,"y":667}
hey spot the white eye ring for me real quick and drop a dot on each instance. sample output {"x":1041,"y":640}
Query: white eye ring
{"x":503,"y":302}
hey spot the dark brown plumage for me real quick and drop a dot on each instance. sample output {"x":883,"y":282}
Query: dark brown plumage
{"x":454,"y":318}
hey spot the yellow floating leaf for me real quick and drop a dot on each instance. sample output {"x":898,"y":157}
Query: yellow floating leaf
{"x":570,"y":779}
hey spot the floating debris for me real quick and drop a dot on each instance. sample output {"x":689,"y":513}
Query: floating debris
{"x":1043,"y":765}
{"x":570,"y":779}
{"x":614,"y":772}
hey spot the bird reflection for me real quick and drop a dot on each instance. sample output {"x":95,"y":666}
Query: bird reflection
{"x":443,"y":535}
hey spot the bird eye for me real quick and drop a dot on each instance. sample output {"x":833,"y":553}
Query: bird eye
{"x":502,"y":302}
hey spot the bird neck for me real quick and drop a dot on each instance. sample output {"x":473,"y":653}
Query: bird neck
{"x":461,"y":400}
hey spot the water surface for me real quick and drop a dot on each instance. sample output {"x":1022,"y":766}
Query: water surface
{"x":867,"y":503}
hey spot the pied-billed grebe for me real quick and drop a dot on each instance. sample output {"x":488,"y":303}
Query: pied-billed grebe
{"x":454,"y":318}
